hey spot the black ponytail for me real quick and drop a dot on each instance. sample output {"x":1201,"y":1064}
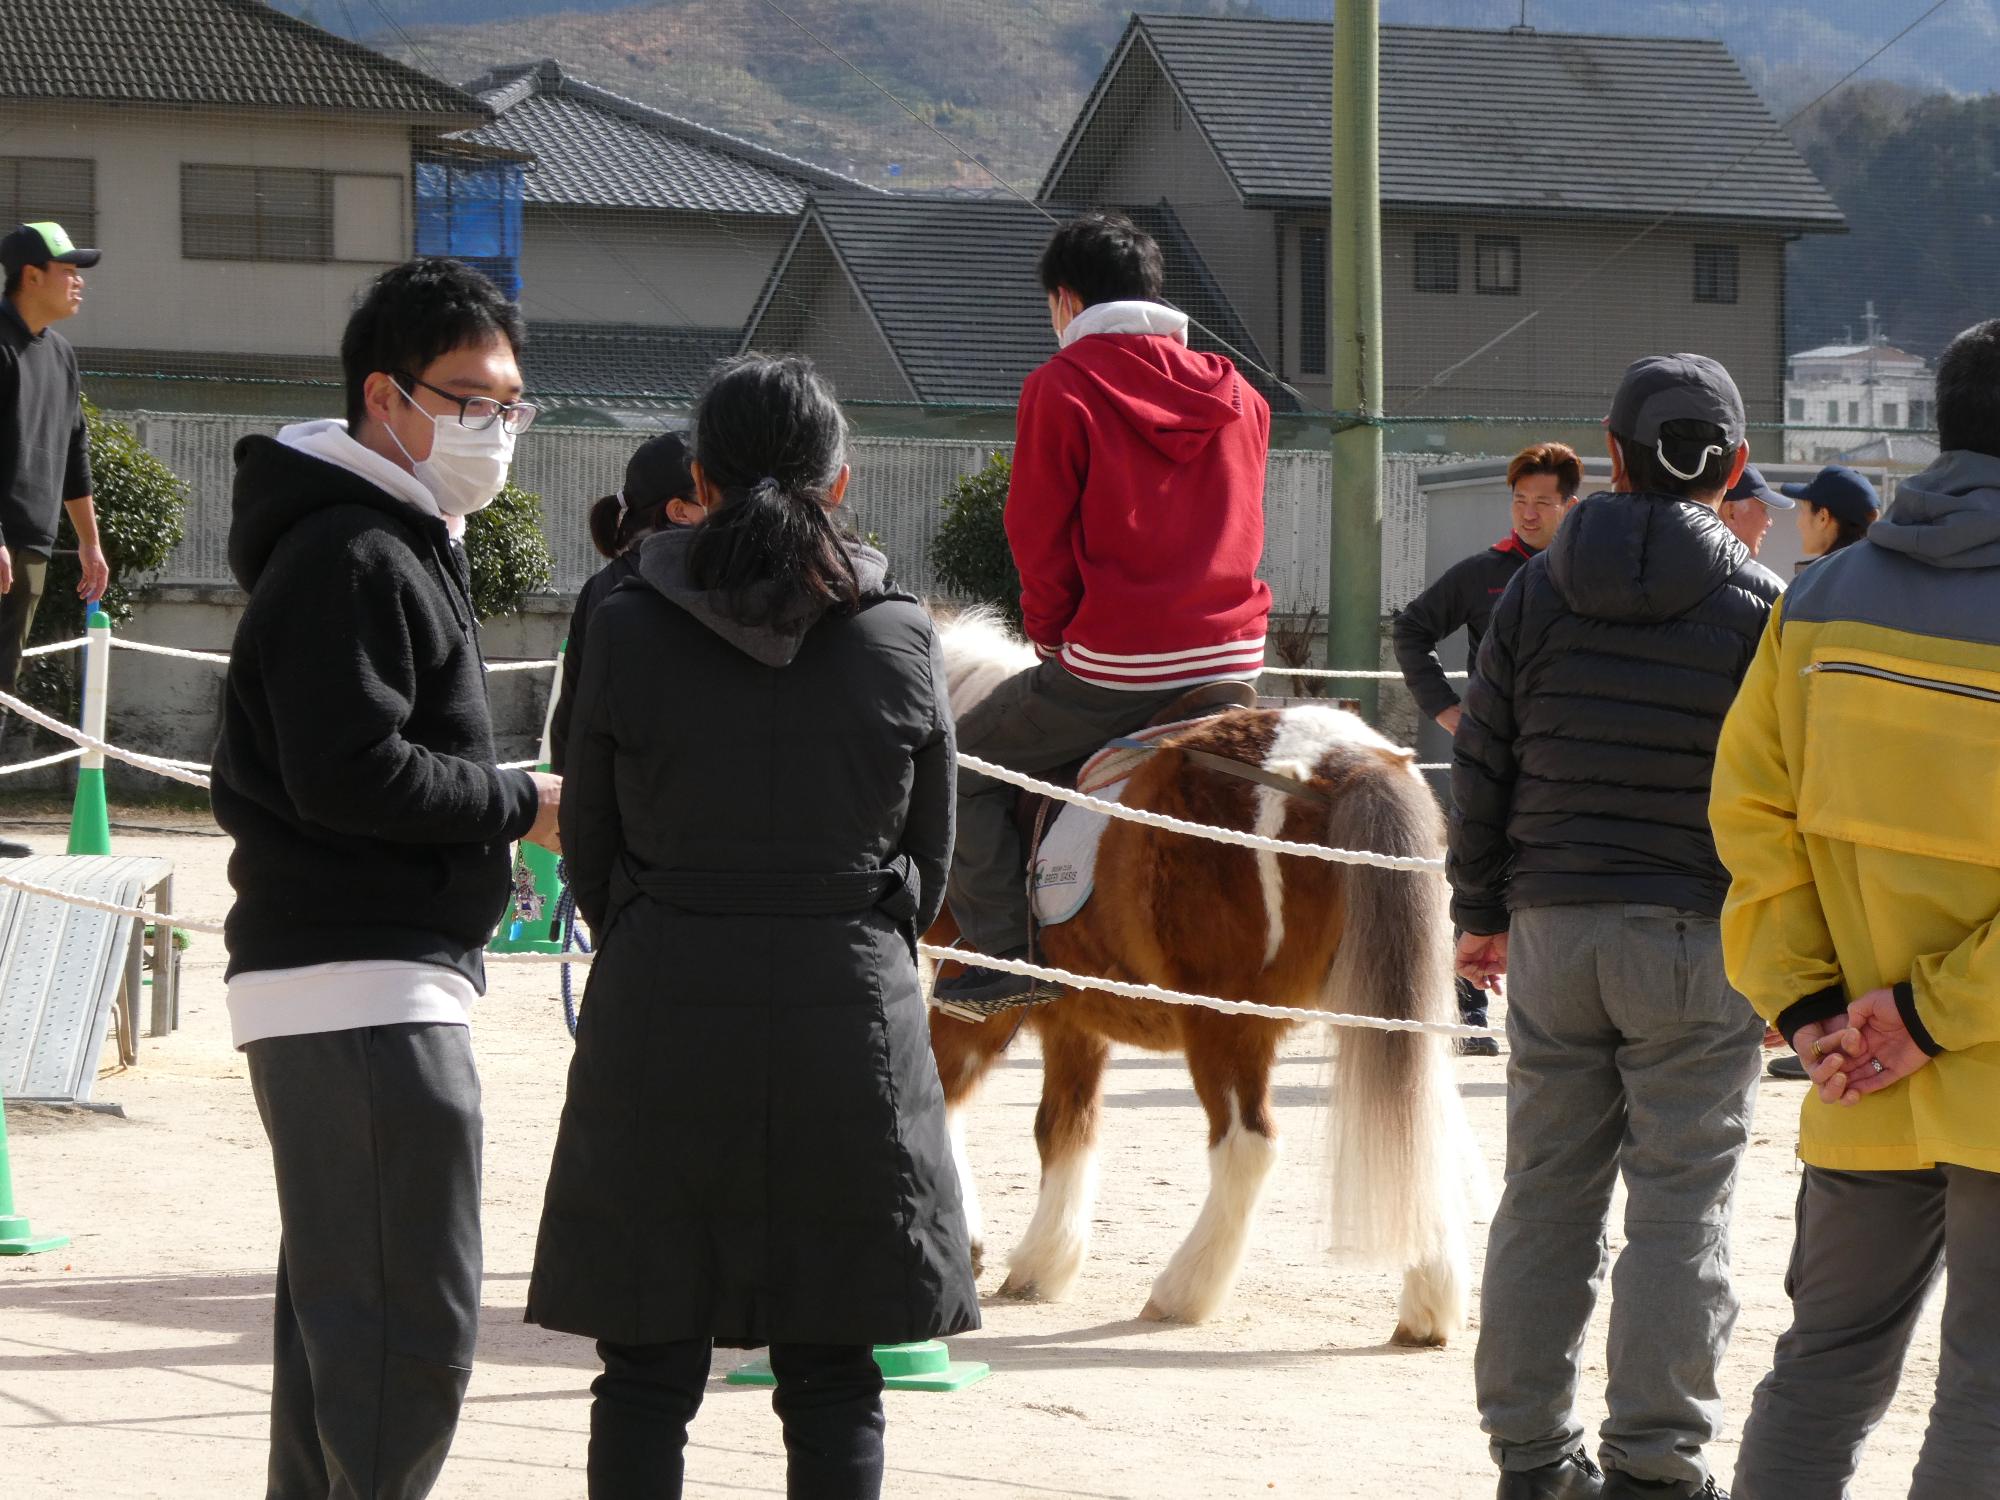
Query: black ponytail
{"x":770,"y":436}
{"x":605,"y":527}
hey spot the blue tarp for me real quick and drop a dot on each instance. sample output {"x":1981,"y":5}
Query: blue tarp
{"x":472,"y":212}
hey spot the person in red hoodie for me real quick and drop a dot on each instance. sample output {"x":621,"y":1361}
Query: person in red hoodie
{"x":1136,"y":519}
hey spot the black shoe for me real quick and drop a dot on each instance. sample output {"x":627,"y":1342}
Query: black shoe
{"x":1621,"y":1486}
{"x":11,"y":850}
{"x":1790,"y":1067}
{"x":1574,"y":1477}
{"x":1478,"y":1046}
{"x":978,"y":993}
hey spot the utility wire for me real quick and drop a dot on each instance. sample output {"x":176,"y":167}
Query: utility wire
{"x":1592,"y":274}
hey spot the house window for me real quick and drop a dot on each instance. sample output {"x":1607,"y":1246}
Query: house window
{"x":1437,"y":261}
{"x":1715,"y":273}
{"x":1890,"y":413}
{"x":1312,"y":301}
{"x":1920,"y":413}
{"x":1854,"y":414}
{"x":1833,"y":412}
{"x":1797,"y":409}
{"x":34,"y":189}
{"x":1497,"y":264}
{"x":256,"y":213}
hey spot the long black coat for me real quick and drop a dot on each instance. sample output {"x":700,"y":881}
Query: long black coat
{"x":1580,"y":772}
{"x":757,"y":824}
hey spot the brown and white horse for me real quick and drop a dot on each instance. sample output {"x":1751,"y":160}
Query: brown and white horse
{"x":1212,"y":919}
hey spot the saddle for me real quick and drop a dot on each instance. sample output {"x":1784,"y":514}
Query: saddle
{"x":1032,"y":810}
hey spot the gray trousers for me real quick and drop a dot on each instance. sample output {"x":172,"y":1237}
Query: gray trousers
{"x":1628,"y":1054}
{"x":375,"y":1137}
{"x":1035,"y":722}
{"x":1869,"y":1249}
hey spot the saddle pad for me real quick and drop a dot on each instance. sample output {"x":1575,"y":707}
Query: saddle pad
{"x":1114,"y":764}
{"x":1065,"y":870}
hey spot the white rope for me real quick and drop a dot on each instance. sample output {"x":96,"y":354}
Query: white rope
{"x":166,"y":918}
{"x":47,"y":760}
{"x":519,"y":765}
{"x":54,"y":646}
{"x":1064,"y":977}
{"x":172,"y":770}
{"x":521,"y":666}
{"x":1200,"y":830}
{"x":151,"y":649}
{"x":1344,"y":676}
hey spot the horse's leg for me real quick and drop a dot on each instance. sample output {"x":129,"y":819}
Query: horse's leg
{"x":965,"y":1052}
{"x":1046,"y":1262}
{"x":1230,"y":1060}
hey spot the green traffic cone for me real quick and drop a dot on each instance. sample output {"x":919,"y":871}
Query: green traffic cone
{"x":17,"y":1237}
{"x":905,"y":1367}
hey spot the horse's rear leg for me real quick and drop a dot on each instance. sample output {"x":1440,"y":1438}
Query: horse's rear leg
{"x":1046,"y":1263}
{"x":965,"y":1052}
{"x":1230,"y":1060}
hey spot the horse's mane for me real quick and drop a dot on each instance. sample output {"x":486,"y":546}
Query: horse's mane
{"x":981,"y":651}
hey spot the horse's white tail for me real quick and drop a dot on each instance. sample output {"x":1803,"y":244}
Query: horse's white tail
{"x":1405,"y":1173}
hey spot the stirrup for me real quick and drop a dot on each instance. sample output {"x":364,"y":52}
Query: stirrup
{"x":976,"y":1012}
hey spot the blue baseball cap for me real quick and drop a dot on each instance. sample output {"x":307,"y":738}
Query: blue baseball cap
{"x":1842,"y":493}
{"x":1752,"y":487}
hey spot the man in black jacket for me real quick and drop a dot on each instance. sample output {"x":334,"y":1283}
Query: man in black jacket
{"x":1582,"y":867}
{"x":356,"y":774}
{"x":1542,"y":482}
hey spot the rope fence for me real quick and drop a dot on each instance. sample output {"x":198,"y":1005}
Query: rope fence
{"x":1064,"y":977}
{"x":54,"y":647}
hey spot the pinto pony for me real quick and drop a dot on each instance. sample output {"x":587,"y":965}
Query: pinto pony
{"x":1205,"y":918}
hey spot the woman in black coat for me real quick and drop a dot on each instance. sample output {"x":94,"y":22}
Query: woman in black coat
{"x":658,"y":492}
{"x":757,"y":820}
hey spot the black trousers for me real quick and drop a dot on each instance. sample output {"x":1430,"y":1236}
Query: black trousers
{"x":829,"y":1398}
{"x":375,"y":1137}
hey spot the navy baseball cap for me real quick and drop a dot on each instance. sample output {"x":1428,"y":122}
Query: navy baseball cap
{"x":1663,"y":388}
{"x":39,"y":244}
{"x":1842,"y":493}
{"x":1752,"y":487}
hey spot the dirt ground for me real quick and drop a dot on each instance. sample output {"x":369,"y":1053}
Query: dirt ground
{"x":133,"y":1364}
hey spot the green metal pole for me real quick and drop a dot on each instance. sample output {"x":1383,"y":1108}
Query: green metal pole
{"x":1354,"y":573}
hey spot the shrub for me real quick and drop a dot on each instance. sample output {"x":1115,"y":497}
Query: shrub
{"x":140,"y":505}
{"x":509,"y":557}
{"x":970,"y":553}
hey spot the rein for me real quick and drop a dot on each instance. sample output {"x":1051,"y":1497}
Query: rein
{"x":1222,"y":765}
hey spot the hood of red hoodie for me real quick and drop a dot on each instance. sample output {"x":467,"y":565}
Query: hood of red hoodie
{"x":1174,"y":397}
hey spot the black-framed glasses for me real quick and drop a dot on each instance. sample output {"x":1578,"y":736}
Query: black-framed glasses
{"x":478,"y":413}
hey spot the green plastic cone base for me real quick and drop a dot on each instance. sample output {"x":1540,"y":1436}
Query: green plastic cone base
{"x":905,"y":1367}
{"x":17,"y":1238}
{"x":90,"y":819}
{"x":530,"y":923}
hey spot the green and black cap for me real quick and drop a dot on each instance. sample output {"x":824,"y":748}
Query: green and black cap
{"x":40,"y":244}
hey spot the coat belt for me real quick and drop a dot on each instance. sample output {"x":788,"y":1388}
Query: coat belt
{"x":893,"y":888}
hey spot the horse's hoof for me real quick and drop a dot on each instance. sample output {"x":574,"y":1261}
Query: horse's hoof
{"x":1020,"y":1290}
{"x":1403,"y":1338}
{"x":1152,"y":1312}
{"x":978,"y":1260}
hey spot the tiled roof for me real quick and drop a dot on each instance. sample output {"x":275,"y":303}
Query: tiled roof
{"x":221,"y":53}
{"x":952,"y":284}
{"x":591,"y":361}
{"x":1511,"y":120}
{"x":593,"y":148}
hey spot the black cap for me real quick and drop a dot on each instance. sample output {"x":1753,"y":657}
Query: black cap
{"x":657,"y":472}
{"x":1663,"y":388}
{"x":38,"y":244}
{"x":1752,"y":487}
{"x":1842,"y":493}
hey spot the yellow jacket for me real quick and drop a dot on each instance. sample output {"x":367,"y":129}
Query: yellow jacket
{"x":1856,"y":804}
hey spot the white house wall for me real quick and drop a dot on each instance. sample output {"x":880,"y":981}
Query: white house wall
{"x":582,"y":265}
{"x":146,"y":296}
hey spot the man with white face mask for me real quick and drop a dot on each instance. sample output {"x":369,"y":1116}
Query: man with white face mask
{"x":356,"y":774}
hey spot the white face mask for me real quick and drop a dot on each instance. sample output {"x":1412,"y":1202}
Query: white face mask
{"x":466,"y":469}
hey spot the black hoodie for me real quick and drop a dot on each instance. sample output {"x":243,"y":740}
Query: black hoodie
{"x":356,"y":768}
{"x":1581,"y":769}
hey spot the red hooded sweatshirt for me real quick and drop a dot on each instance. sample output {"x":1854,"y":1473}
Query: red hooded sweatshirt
{"x":1136,"y":511}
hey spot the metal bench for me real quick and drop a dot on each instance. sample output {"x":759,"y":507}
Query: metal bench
{"x":67,"y":972}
